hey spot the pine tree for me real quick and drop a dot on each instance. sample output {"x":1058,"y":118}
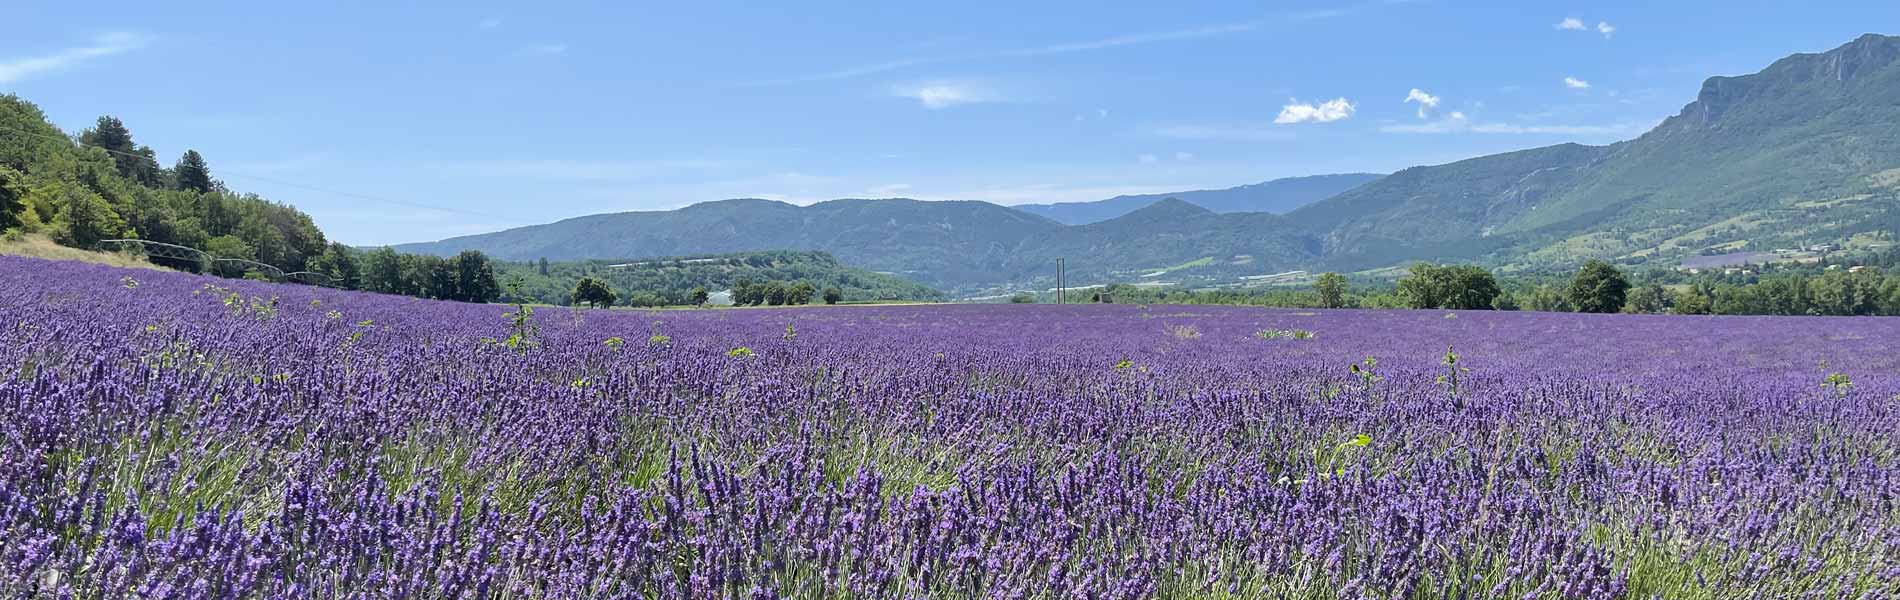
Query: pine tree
{"x":111,"y":135}
{"x":192,"y":174}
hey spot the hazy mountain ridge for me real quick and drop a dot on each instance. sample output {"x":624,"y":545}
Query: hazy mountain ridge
{"x":1278,"y":196}
{"x":1808,"y":148}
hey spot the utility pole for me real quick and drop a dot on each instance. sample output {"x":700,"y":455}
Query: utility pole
{"x":1059,"y":276}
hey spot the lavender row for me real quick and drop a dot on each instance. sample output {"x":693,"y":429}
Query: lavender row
{"x":171,"y":436}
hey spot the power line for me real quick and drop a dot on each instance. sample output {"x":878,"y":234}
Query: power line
{"x":290,"y":184}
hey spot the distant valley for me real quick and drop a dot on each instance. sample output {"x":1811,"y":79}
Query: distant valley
{"x":1279,"y":196}
{"x":1805,"y":151}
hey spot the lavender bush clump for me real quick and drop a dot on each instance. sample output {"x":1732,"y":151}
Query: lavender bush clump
{"x":188,"y":437}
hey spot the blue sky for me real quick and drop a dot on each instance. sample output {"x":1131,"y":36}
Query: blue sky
{"x":510,"y":114}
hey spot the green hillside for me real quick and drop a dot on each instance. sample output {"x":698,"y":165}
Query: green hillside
{"x":1806,"y":149}
{"x":930,"y":242}
{"x":1805,"y":152}
{"x":1278,"y":196}
{"x":671,"y":280}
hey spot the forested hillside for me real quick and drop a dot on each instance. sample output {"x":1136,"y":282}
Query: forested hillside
{"x":104,"y":185}
{"x":671,"y":281}
{"x":1278,"y":196}
{"x":1804,"y":152}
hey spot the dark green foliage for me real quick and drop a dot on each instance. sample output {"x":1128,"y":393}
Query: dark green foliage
{"x":1332,"y":290}
{"x":673,"y":280}
{"x":1458,"y":287}
{"x":383,"y":272}
{"x":1546,"y":298}
{"x":1648,"y":299}
{"x":800,"y":293}
{"x":833,"y":295}
{"x":700,"y":295}
{"x":645,"y":300}
{"x":1022,"y":299}
{"x":229,"y":246}
{"x":1598,"y":288}
{"x":1504,"y":302}
{"x":593,"y":292}
{"x":1692,"y":303}
{"x":133,"y":162}
{"x":12,"y":197}
{"x":774,"y":293}
{"x":437,"y":276}
{"x":340,"y":263}
{"x":192,"y":173}
{"x":84,"y":218}
{"x":475,"y":278}
{"x":109,"y":187}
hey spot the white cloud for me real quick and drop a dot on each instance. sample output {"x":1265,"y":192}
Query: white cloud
{"x":1101,"y":112}
{"x":583,"y":169}
{"x":489,"y":23}
{"x":1458,"y":122}
{"x":1133,"y":39}
{"x":1426,"y":102}
{"x":1572,"y":24}
{"x":1605,"y":28}
{"x":545,"y":49}
{"x":1576,"y":84}
{"x":1324,"y":112}
{"x":945,"y":94}
{"x":1183,"y":156}
{"x":1234,"y":133}
{"x":102,"y":45}
{"x":889,"y":191}
{"x":1148,"y":159}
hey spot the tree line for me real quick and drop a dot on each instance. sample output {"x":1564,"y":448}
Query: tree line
{"x":104,"y":185}
{"x":1864,"y":289}
{"x":692,"y":280}
{"x":596,"y":292}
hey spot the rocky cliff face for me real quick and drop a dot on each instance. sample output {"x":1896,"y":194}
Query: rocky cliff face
{"x":1798,"y":73}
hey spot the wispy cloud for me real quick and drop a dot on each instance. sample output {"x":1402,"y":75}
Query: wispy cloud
{"x":1458,"y":122}
{"x":1183,"y":156}
{"x":945,"y":94}
{"x":1230,"y":133}
{"x":106,"y":44}
{"x":583,"y":169}
{"x":489,"y":23}
{"x":1605,"y":28}
{"x":544,"y":49}
{"x":1324,"y":112}
{"x":1576,"y":84}
{"x":1426,"y":102}
{"x":1148,"y":159}
{"x":1117,"y":41}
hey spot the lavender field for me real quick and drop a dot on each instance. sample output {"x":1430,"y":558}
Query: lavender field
{"x":174,"y":436}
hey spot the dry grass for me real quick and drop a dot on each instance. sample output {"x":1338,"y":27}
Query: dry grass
{"x":40,"y":246}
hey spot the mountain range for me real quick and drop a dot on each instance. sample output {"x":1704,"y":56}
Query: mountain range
{"x":1279,"y":196}
{"x":1807,"y":149}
